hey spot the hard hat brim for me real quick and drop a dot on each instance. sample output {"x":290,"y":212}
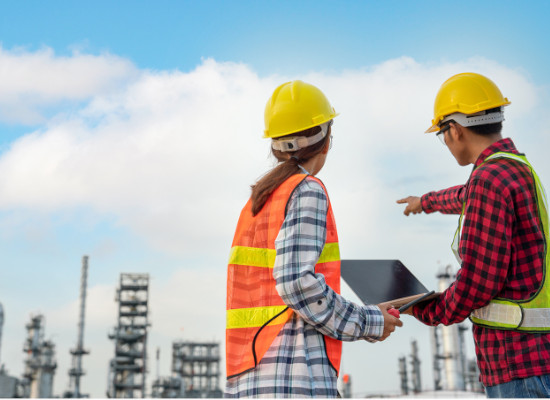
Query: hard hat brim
{"x":433,"y":128}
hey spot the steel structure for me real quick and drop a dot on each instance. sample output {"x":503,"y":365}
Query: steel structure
{"x":127,"y":370}
{"x":168,"y":387}
{"x":40,"y":364}
{"x":197,"y":365}
{"x":404,"y":379}
{"x":76,"y":371}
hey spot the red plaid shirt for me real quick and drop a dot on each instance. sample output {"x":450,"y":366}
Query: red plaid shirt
{"x":502,"y":247}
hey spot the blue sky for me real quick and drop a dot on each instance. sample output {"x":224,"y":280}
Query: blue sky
{"x":284,"y":36}
{"x":131,"y":130}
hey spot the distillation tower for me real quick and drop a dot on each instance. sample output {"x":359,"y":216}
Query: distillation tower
{"x":448,"y":347}
{"x":452,"y":370}
{"x":76,"y":371}
{"x":127,"y":370}
{"x":40,"y":364}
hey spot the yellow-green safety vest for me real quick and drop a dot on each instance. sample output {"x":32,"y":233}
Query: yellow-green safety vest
{"x":530,"y":315}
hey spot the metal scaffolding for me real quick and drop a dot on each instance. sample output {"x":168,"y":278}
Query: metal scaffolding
{"x":197,"y":365}
{"x":168,"y":387}
{"x":76,"y":371}
{"x":127,"y":370}
{"x":40,"y":364}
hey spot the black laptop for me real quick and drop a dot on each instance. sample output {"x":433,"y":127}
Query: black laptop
{"x":379,"y":281}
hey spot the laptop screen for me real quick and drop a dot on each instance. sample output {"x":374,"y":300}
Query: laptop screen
{"x":378,"y":281}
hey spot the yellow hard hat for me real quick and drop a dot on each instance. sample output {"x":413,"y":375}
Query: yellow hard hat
{"x":466,"y":93}
{"x":295,"y":106}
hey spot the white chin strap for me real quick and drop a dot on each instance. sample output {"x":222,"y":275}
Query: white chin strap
{"x":299,"y":142}
{"x":480,"y":118}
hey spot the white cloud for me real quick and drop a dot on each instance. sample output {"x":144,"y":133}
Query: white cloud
{"x":31,"y":82}
{"x":173,"y":150}
{"x":171,"y":155}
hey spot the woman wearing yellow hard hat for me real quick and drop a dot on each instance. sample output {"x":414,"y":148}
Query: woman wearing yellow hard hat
{"x":502,"y":242}
{"x":285,"y":317}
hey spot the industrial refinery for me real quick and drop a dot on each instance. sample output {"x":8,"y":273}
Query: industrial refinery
{"x":195,"y":366}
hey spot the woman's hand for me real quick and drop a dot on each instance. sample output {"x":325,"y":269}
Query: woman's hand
{"x":390,"y":322}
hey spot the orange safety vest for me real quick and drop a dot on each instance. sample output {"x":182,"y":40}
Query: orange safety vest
{"x":255,"y":311}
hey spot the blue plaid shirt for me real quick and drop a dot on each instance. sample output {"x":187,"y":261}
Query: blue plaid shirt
{"x":296,"y":364}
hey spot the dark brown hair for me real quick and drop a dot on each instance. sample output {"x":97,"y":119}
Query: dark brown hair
{"x":287,"y":167}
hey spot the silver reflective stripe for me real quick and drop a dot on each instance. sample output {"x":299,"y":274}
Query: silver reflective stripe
{"x":499,"y":313}
{"x":511,"y":315}
{"x":536,"y":318}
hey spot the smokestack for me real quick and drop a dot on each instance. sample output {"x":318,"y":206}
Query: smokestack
{"x":76,"y":371}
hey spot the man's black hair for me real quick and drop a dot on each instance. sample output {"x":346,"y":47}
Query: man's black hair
{"x":488,"y":129}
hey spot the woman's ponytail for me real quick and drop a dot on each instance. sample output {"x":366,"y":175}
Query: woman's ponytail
{"x":287,"y":167}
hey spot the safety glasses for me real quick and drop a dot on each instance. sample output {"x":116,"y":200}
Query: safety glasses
{"x":441,"y":133}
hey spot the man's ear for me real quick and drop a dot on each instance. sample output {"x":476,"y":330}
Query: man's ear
{"x":458,"y":131}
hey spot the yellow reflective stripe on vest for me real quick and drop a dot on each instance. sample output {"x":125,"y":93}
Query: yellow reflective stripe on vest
{"x":331,"y":252}
{"x":254,"y":317}
{"x":532,"y":314}
{"x":256,"y":257}
{"x":252,"y":256}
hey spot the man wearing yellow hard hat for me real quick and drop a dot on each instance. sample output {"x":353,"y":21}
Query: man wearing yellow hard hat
{"x":286,"y":318}
{"x":502,"y":242}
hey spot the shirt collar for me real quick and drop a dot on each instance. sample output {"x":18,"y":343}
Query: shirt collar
{"x":505,"y":144}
